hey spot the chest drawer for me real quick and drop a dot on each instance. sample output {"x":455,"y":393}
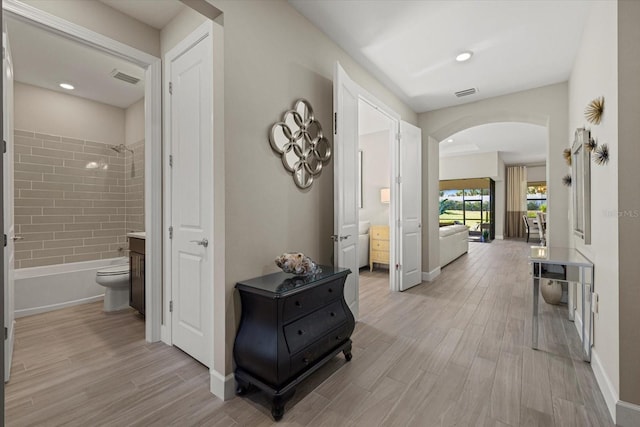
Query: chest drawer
{"x":304,"y":303}
{"x":380,"y":232}
{"x":379,"y":245}
{"x":306,"y":358}
{"x":305,"y":331}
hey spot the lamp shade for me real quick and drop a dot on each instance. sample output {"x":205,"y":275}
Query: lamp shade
{"x":385,"y":195}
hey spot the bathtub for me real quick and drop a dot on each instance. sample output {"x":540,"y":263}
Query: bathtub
{"x":52,"y":287}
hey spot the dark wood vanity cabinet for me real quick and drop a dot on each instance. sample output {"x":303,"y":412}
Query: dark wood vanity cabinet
{"x":290,"y":326}
{"x":136,"y":273}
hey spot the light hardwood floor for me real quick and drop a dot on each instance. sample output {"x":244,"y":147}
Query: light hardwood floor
{"x":455,"y":351}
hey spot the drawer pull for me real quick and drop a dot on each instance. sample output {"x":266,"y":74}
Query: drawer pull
{"x":330,"y":290}
{"x":298,"y":304}
{"x":339,"y":337}
{"x":305,"y":361}
{"x":300,"y":332}
{"x":333,"y":314}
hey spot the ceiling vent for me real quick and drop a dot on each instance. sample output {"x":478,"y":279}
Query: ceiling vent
{"x":117,"y":74}
{"x":466,"y":92}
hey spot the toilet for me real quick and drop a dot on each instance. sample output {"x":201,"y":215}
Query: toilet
{"x":115,"y":279}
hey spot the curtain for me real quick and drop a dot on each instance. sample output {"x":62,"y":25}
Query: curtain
{"x":516,"y":201}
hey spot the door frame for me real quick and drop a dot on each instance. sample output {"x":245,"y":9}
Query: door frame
{"x":395,"y":248}
{"x":153,"y":138}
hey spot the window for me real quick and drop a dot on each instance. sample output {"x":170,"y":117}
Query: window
{"x":536,"y":198}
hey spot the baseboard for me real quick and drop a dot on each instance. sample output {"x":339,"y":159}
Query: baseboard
{"x":499,"y":237}
{"x":431,"y":275}
{"x":52,"y":307}
{"x":221,"y":386}
{"x":606,"y":387}
{"x":628,"y":414}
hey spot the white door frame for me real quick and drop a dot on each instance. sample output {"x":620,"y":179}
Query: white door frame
{"x":153,"y":141}
{"x":394,"y":202}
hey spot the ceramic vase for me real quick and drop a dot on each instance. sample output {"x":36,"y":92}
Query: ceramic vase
{"x":551,"y":291}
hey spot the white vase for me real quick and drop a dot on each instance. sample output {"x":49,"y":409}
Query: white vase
{"x":551,"y":291}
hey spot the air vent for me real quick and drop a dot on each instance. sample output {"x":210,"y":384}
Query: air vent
{"x":466,"y":92}
{"x":117,"y":74}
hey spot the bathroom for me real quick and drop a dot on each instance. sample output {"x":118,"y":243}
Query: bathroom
{"x":78,"y":173}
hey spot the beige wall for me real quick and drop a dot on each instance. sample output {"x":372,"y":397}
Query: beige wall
{"x":179,"y":27}
{"x":536,"y":173}
{"x":546,"y":106}
{"x":376,"y":174}
{"x":47,"y":111}
{"x":629,"y":199}
{"x":595,"y":74}
{"x":134,"y":122}
{"x":102,"y":19}
{"x":266,"y":70}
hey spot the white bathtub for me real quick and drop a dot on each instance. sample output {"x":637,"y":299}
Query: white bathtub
{"x":48,"y":288}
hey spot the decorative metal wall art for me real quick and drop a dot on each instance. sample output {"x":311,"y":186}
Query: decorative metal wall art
{"x":566,"y":180}
{"x":567,"y":155}
{"x":593,"y":111}
{"x":299,"y":141}
{"x":601,"y":154}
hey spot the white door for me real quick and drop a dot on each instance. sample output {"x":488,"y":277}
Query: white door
{"x":345,"y":181}
{"x":410,"y":205}
{"x":190,"y":71}
{"x":7,"y":159}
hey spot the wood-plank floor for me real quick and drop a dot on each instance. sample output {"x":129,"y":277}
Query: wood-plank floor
{"x":455,"y":351}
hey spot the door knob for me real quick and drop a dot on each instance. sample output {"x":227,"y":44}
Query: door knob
{"x":14,"y":238}
{"x":344,"y":237}
{"x":334,"y":237}
{"x":203,"y":242}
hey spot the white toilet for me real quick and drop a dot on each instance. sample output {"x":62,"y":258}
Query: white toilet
{"x":115,"y":279}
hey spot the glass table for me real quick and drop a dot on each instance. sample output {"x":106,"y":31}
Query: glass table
{"x":570,"y":266}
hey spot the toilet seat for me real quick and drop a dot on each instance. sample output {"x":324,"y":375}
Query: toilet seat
{"x":115,"y":270}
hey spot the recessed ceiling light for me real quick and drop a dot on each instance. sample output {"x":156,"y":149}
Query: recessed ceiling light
{"x":449,"y":140}
{"x":464,"y":56}
{"x":66,"y":86}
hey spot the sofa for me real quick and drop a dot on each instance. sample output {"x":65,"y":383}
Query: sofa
{"x":454,"y":242}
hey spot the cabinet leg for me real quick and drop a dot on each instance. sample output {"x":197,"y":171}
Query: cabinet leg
{"x":347,"y":353}
{"x":242,"y":387}
{"x":277,"y":405}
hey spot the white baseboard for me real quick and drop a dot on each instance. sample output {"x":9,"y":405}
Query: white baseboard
{"x":628,"y":414}
{"x":431,"y":275}
{"x":52,"y":307}
{"x":221,"y":386}
{"x":499,"y":237}
{"x":606,"y":387}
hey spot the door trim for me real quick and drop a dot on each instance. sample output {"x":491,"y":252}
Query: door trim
{"x":153,"y":138}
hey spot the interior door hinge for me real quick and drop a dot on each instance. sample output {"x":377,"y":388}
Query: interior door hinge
{"x":6,"y":333}
{"x":171,"y":232}
{"x":4,"y":146}
{"x":399,"y":136}
{"x":170,"y":306}
{"x":399,"y":223}
{"x":397,"y":266}
{"x":398,"y":180}
{"x":5,"y":240}
{"x":170,"y":160}
{"x":335,"y":123}
{"x":170,"y":88}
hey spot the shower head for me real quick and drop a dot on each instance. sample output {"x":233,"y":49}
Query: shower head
{"x":120,"y":148}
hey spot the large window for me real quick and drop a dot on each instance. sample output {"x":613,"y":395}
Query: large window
{"x":536,"y":198}
{"x":470,"y":206}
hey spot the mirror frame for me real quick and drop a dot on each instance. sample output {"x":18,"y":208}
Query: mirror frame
{"x":581,"y":185}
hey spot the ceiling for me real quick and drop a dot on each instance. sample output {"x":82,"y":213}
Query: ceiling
{"x":155,"y":13}
{"x":517,"y":143}
{"x":44,"y":59}
{"x":410,"y":46}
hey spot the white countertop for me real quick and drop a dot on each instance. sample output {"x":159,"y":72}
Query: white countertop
{"x":137,"y":234}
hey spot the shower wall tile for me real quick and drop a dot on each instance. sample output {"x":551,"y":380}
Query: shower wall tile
{"x":134,"y":187}
{"x":70,"y":199}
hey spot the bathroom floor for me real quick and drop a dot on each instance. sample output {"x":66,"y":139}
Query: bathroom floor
{"x":80,"y":366}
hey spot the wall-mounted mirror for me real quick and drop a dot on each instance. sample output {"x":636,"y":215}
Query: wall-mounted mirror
{"x":581,"y":185}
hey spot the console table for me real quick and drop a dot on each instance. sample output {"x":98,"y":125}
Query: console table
{"x":571,"y":267}
{"x":290,"y":326}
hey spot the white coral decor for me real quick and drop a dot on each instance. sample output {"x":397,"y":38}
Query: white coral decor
{"x":297,"y":263}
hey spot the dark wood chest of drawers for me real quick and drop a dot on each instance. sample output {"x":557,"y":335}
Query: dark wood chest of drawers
{"x":290,"y":326}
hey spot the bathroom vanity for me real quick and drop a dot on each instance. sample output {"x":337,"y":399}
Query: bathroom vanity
{"x":136,"y":270}
{"x":290,"y":327}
